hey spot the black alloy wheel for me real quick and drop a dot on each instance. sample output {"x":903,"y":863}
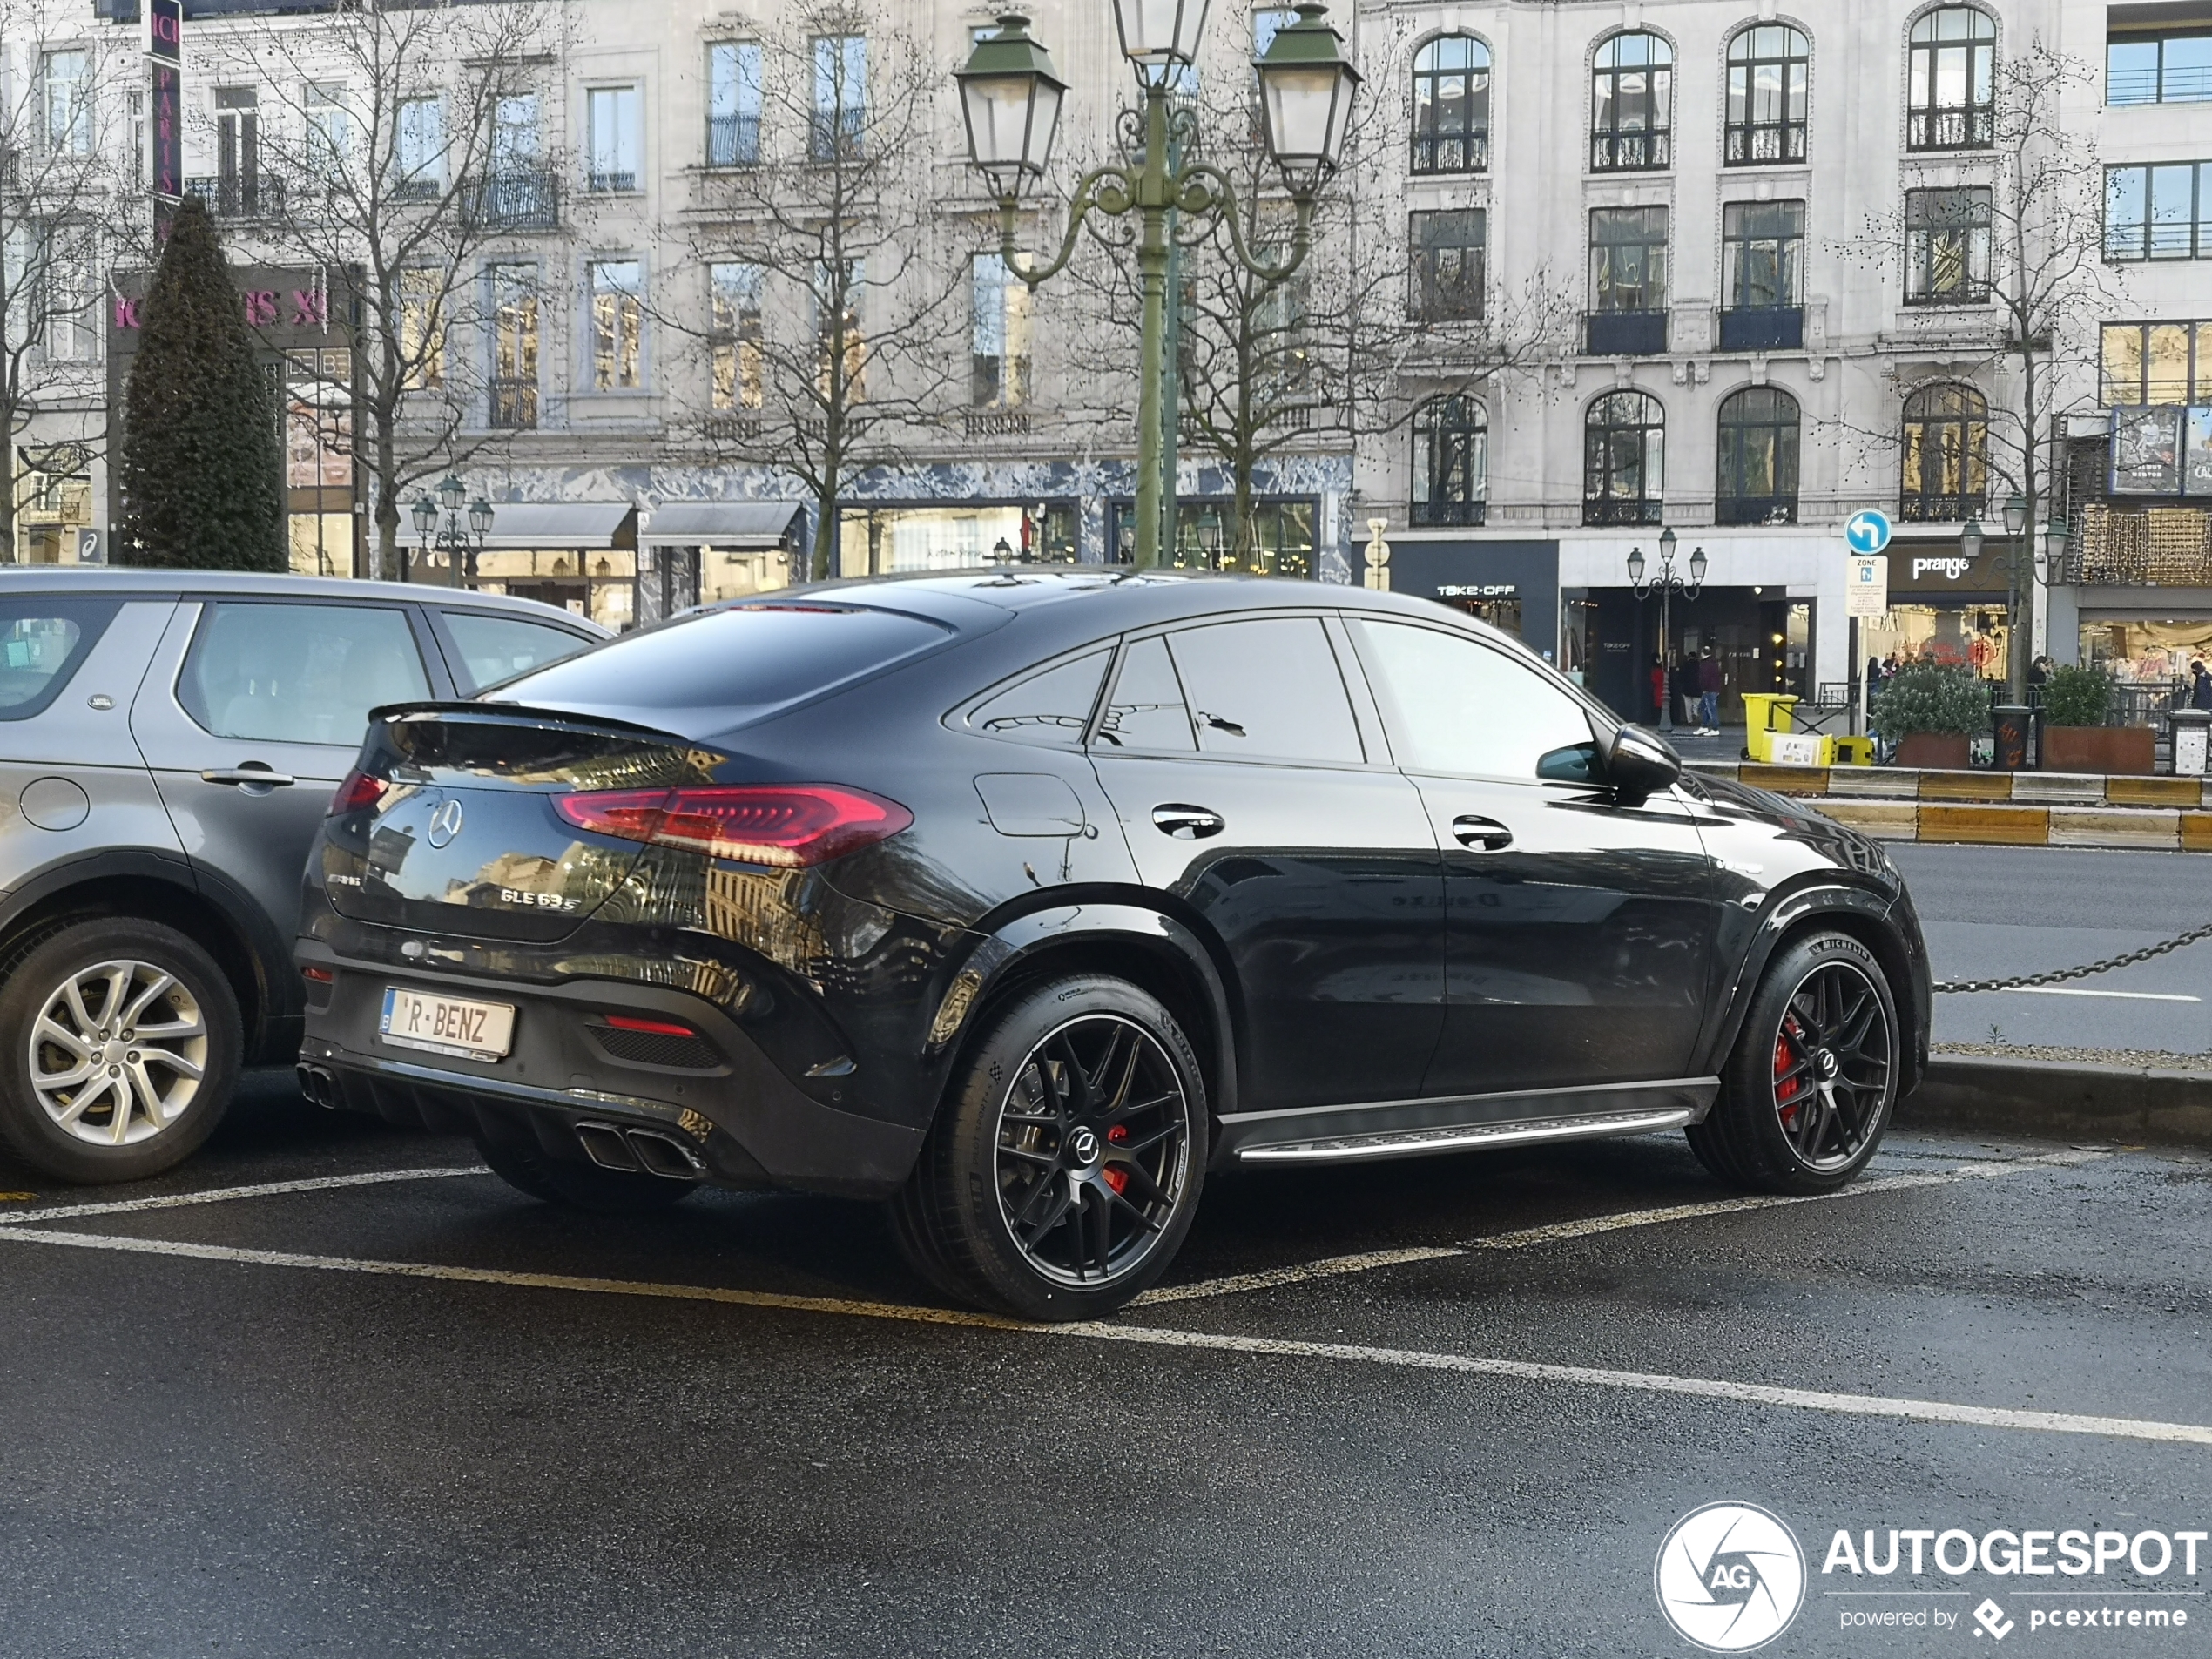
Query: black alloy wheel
{"x":1064,"y":1170}
{"x":1807,"y":1096}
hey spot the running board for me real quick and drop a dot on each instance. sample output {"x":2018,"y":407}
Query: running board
{"x":1402,"y":1143}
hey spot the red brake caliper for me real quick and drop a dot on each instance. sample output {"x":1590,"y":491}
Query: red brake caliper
{"x":1785,"y":1092}
{"x":1118,"y":1179}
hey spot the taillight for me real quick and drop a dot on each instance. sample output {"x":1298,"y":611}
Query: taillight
{"x":788,"y":824}
{"x":655,"y":1028}
{"x":358,"y":790}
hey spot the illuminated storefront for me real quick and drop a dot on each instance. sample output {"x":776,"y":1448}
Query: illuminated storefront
{"x":1945,"y":608}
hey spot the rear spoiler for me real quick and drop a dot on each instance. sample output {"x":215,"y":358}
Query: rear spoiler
{"x":519,"y":714}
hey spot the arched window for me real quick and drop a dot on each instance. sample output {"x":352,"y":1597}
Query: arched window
{"x":1759,"y":458}
{"x":1452,"y":105}
{"x":1632,"y":103}
{"x":1451,"y":461}
{"x":1770,"y":80}
{"x":1946,"y":454}
{"x":1953,"y":101}
{"x":1624,"y":459}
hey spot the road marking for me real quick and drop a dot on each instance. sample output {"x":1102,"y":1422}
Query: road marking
{"x":2123,"y":996}
{"x":221,"y":1195}
{"x":1334,"y":1266}
{"x":1924,"y":1410}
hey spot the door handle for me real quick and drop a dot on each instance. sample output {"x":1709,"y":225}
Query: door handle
{"x":1187,"y":823}
{"x":248,"y":774}
{"x":1487,"y":833}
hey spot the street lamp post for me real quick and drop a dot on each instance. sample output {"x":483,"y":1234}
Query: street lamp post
{"x":1010,"y":98}
{"x":1666,"y":583}
{"x":444,"y":527}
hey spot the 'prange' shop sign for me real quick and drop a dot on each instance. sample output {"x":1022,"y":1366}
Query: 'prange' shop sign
{"x":1944,"y":569}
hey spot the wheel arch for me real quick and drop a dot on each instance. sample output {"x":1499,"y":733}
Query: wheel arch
{"x":1148,"y":948}
{"x":1864,"y":915}
{"x":160,"y":890}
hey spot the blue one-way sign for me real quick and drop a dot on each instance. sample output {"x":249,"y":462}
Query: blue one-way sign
{"x":1867,"y":531}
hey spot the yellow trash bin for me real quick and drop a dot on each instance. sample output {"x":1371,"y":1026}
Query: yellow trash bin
{"x":1764,"y":714}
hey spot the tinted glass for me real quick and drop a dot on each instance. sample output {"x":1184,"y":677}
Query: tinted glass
{"x":1267,"y":690}
{"x":731,"y":663}
{"x":287,"y":673}
{"x":1453,"y":704}
{"x":42,"y":641}
{"x":1050,"y":708}
{"x":496,"y":648}
{"x":1146,"y":710}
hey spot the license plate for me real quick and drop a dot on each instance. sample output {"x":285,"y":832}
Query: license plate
{"x":447,"y":1024}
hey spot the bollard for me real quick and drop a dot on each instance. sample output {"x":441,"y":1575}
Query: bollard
{"x":2192,"y":732}
{"x":2011,"y":721}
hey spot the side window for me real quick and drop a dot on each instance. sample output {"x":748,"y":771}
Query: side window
{"x":1267,"y":690}
{"x":1453,"y":704}
{"x":496,"y":648}
{"x":299,"y":673}
{"x":1049,"y":709}
{"x":1146,"y":712}
{"x":43,"y":638}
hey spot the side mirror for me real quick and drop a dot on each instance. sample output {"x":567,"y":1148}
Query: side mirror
{"x":1639,"y":763}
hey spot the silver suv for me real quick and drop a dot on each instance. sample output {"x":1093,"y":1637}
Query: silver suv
{"x":169,"y":744}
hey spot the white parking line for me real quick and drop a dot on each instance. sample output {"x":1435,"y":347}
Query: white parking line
{"x":1924,"y":1411}
{"x":1334,"y":1266}
{"x":220,"y":1195}
{"x":2125,"y":996}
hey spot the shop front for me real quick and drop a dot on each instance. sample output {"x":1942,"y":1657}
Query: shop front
{"x":1945,"y":608}
{"x":700,"y":552}
{"x":889,"y":539}
{"x":1513,"y":586}
{"x":1760,"y":635}
{"x":580,"y":556}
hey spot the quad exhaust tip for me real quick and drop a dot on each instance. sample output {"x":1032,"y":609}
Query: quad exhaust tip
{"x":634,"y":1152}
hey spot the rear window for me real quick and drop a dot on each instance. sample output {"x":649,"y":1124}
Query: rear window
{"x":43,"y":638}
{"x":729,"y":665}
{"x":497,"y":648}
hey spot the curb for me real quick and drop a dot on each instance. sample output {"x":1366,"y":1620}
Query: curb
{"x":1996,"y":809}
{"x":2062,"y":1099}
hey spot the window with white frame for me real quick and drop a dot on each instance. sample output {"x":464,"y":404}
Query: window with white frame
{"x":840,"y":112}
{"x":733,"y":103}
{"x":615,"y":137}
{"x":840,"y":339}
{"x":330,"y":127}
{"x":617,"y":325}
{"x":65,"y":85}
{"x":1947,"y":246}
{"x":421,"y":147}
{"x":738,"y":363}
{"x":998,"y":352}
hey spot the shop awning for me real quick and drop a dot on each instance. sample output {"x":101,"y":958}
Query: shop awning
{"x":529,"y":525}
{"x":736,"y":525}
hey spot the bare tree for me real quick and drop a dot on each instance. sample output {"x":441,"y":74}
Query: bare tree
{"x":64,"y":181}
{"x":2027,"y":245}
{"x":400,"y":146}
{"x":827,"y":322}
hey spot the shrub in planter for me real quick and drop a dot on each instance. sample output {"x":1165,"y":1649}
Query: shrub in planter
{"x":1930,"y":713}
{"x":2076,"y":703}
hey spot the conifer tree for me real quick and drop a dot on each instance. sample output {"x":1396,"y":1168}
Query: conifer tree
{"x":203,"y":471}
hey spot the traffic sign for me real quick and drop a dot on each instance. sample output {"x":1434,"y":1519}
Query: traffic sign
{"x":1867,"y":531}
{"x":1867,"y":584}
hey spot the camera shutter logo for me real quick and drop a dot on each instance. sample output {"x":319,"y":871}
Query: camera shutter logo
{"x":445,"y":822}
{"x":1730,"y":1577}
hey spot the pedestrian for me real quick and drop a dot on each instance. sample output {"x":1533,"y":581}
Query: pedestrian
{"x":1873,"y":678}
{"x":2200,"y":685}
{"x":2039,"y":671}
{"x":1686,"y":690}
{"x":1658,"y":704}
{"x":1709,"y":691}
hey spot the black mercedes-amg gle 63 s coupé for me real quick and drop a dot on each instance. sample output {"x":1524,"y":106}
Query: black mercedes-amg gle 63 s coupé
{"x":1021,"y":900}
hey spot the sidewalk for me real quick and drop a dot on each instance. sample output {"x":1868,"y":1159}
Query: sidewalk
{"x":1729,"y":745}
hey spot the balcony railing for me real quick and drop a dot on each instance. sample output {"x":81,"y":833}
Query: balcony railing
{"x":1617,"y":510}
{"x":1752,"y":145}
{"x":611,"y":182}
{"x":1941,"y":509}
{"x":1626,"y":334}
{"x":733,"y":140}
{"x":254,"y":195}
{"x":519,"y":200}
{"x":1968,"y":128}
{"x":1450,"y":512}
{"x":1630,"y":151}
{"x":514,"y":405}
{"x":420,"y":189}
{"x":1762,"y":328}
{"x":995,"y":423}
{"x":1755,"y":510}
{"x":2180,"y":84}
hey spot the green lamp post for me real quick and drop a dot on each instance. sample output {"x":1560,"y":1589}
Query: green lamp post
{"x":1011,"y":99}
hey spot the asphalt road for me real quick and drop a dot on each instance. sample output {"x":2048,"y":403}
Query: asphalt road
{"x":2000,"y":912}
{"x":425,"y":1416}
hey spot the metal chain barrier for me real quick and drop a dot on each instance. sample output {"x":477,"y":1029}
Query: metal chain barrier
{"x":2058,"y":974}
